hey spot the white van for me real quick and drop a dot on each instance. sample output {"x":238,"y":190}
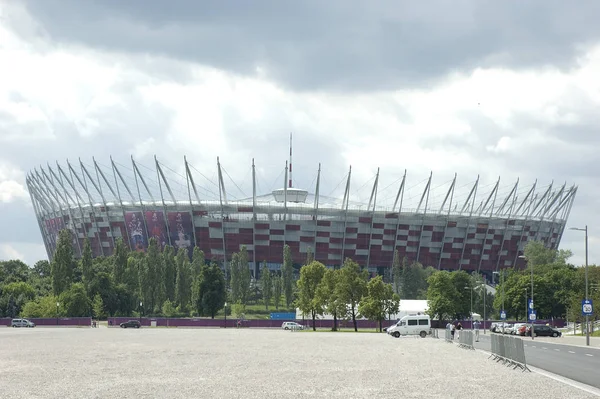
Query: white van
{"x":411,"y":325}
{"x":22,"y":323}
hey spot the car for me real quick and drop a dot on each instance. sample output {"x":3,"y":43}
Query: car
{"x":131,"y":323}
{"x":411,"y":325}
{"x":544,"y":331}
{"x":290,"y":325}
{"x":22,"y":323}
{"x":515,"y":329}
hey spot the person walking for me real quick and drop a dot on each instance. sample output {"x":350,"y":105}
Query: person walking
{"x":476,"y":326}
{"x":458,"y":328}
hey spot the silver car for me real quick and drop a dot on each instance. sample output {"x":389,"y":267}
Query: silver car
{"x":22,"y":323}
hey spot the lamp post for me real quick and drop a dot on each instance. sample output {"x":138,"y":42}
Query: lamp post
{"x":225,"y":314}
{"x":141,"y":304}
{"x":502,"y":284}
{"x":57,"y":304}
{"x":484,"y":310}
{"x":587,"y":318}
{"x":471,"y":288}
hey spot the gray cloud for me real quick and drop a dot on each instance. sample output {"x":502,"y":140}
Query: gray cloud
{"x":334,"y":45}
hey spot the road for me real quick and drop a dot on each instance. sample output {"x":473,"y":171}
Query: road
{"x":575,"y":362}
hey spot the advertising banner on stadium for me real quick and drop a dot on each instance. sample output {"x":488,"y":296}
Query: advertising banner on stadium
{"x":155,"y":221}
{"x":180,"y":227}
{"x":136,"y":230}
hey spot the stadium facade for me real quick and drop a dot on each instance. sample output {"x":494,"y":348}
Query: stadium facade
{"x":485,"y":232}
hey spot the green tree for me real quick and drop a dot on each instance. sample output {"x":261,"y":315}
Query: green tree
{"x":308,"y":301}
{"x":397,"y":272}
{"x":98,"y":307}
{"x":463,"y":284}
{"x":62,"y":264}
{"x":328,"y":297}
{"x":375,"y":304}
{"x":414,"y":280}
{"x":310,"y":256}
{"x":234,"y":273}
{"x":86,"y":263}
{"x":170,"y":272}
{"x":13,"y":271}
{"x":183,"y":286}
{"x":41,"y":307}
{"x":266,"y":283}
{"x":277,"y":288}
{"x":168,"y":310}
{"x":287,"y":272}
{"x":75,"y":301}
{"x":352,"y":285}
{"x":119,"y":261}
{"x":153,"y":265}
{"x":440,"y":295}
{"x":245,"y":277}
{"x":198,"y":265}
{"x":132,"y":274}
{"x":212,"y":291}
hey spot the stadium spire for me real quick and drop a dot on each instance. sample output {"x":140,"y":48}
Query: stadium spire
{"x":290,"y":181}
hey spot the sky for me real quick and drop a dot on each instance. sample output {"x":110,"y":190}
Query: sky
{"x":478,"y":88}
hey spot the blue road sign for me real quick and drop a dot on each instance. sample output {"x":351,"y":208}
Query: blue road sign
{"x":532,"y":315}
{"x":530,"y":305}
{"x":503,"y":315}
{"x":587,"y":307}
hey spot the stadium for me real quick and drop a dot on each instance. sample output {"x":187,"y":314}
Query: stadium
{"x":450,"y":227}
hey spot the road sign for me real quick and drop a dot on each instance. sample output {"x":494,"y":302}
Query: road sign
{"x":587,"y":307}
{"x":503,"y":315}
{"x":532,"y":316}
{"x":530,"y":301}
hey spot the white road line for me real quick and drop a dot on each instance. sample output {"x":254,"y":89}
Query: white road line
{"x":544,"y":348}
{"x":558,"y":350}
{"x":587,"y":354}
{"x":533,"y":346}
{"x":571,"y":352}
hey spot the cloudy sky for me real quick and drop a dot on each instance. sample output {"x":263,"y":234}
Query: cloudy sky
{"x":489,"y":88}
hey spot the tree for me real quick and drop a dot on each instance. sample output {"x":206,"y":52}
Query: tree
{"x":62,"y":264}
{"x":119,"y":261}
{"x":131,"y":278}
{"x":98,"y":307}
{"x":287,"y":273}
{"x":41,"y":307}
{"x":310,"y":256}
{"x":212,"y":291}
{"x":308,"y":301}
{"x":277,"y":288}
{"x":440,"y":295}
{"x":86,"y":263}
{"x":328,"y":297}
{"x":234,"y":272}
{"x":244,"y":276}
{"x":13,"y":271}
{"x":197,"y":267}
{"x":375,"y":304}
{"x":266,"y":283}
{"x":170,"y":272}
{"x":75,"y":301}
{"x":463,"y":284}
{"x":153,"y":270}
{"x":351,"y":287}
{"x":183,"y":286}
{"x":397,"y":272}
{"x":168,"y":310}
{"x":414,"y":280}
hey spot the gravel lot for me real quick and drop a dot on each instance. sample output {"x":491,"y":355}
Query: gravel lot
{"x":231,"y":363}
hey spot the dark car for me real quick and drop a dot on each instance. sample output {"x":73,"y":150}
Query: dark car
{"x":131,"y":323}
{"x":544,"y":331}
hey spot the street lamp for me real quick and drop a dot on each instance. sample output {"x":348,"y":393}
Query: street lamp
{"x":587,"y":317}
{"x":532,"y":303}
{"x":57,"y":304}
{"x":502,"y":284}
{"x":141,"y":304}
{"x":225,"y":314}
{"x":471,"y":288}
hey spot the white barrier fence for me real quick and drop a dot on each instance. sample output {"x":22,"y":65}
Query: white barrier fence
{"x":465,"y":339}
{"x":509,"y":350}
{"x":448,"y":335}
{"x":434,"y":333}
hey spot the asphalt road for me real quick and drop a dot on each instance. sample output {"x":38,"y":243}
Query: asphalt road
{"x":574,"y":362}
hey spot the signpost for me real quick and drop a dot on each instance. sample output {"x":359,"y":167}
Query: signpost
{"x":587,"y":308}
{"x":503,"y":315}
{"x":532,"y":316}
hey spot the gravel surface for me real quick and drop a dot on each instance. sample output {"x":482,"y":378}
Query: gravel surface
{"x":251,"y":363}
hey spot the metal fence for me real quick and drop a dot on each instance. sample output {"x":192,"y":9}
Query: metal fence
{"x":509,"y":350}
{"x":448,"y":335}
{"x":435,"y":333}
{"x":465,"y":339}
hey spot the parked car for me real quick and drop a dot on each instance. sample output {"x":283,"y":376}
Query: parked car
{"x":515,"y":328}
{"x":290,"y":325}
{"x":544,"y":331}
{"x":131,"y":323}
{"x":411,"y":325}
{"x":22,"y":323}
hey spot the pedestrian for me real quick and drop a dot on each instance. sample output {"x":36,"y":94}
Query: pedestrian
{"x":476,"y":326}
{"x":458,"y":328}
{"x":453,"y":330}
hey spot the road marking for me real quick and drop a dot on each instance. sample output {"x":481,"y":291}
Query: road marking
{"x":544,"y":348}
{"x":533,"y":346}
{"x":587,"y":354}
{"x":558,"y":350}
{"x":571,"y":352}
